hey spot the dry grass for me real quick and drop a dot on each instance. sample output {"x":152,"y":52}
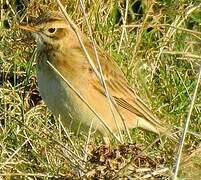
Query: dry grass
{"x":160,"y":56}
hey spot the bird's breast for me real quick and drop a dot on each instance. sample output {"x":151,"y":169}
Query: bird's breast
{"x":60,"y":98}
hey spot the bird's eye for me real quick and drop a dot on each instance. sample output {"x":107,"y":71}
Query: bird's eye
{"x":52,"y":30}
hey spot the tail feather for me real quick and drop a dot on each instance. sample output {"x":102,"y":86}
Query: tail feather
{"x":157,"y":128}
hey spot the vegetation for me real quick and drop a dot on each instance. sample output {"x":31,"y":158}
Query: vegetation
{"x":157,"y":47}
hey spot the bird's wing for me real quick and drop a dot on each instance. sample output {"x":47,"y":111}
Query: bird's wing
{"x":123,"y":95}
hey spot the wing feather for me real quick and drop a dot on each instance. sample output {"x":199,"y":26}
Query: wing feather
{"x":119,"y":89}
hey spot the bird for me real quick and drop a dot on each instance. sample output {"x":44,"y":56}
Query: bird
{"x":74,"y":92}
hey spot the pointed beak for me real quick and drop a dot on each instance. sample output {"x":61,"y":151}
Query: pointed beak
{"x":28,"y":28}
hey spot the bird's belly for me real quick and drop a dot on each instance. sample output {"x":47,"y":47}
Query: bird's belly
{"x":74,"y":113}
{"x":63,"y":101}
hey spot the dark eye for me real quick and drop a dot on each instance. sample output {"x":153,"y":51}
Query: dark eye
{"x":52,"y":30}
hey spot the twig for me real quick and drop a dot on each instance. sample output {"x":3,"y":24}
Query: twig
{"x":181,"y":144}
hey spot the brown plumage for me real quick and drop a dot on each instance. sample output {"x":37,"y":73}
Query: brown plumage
{"x":58,"y":44}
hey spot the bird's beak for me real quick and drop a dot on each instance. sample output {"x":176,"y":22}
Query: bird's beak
{"x":28,"y":28}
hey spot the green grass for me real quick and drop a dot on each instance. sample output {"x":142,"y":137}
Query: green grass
{"x":161,"y":61}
